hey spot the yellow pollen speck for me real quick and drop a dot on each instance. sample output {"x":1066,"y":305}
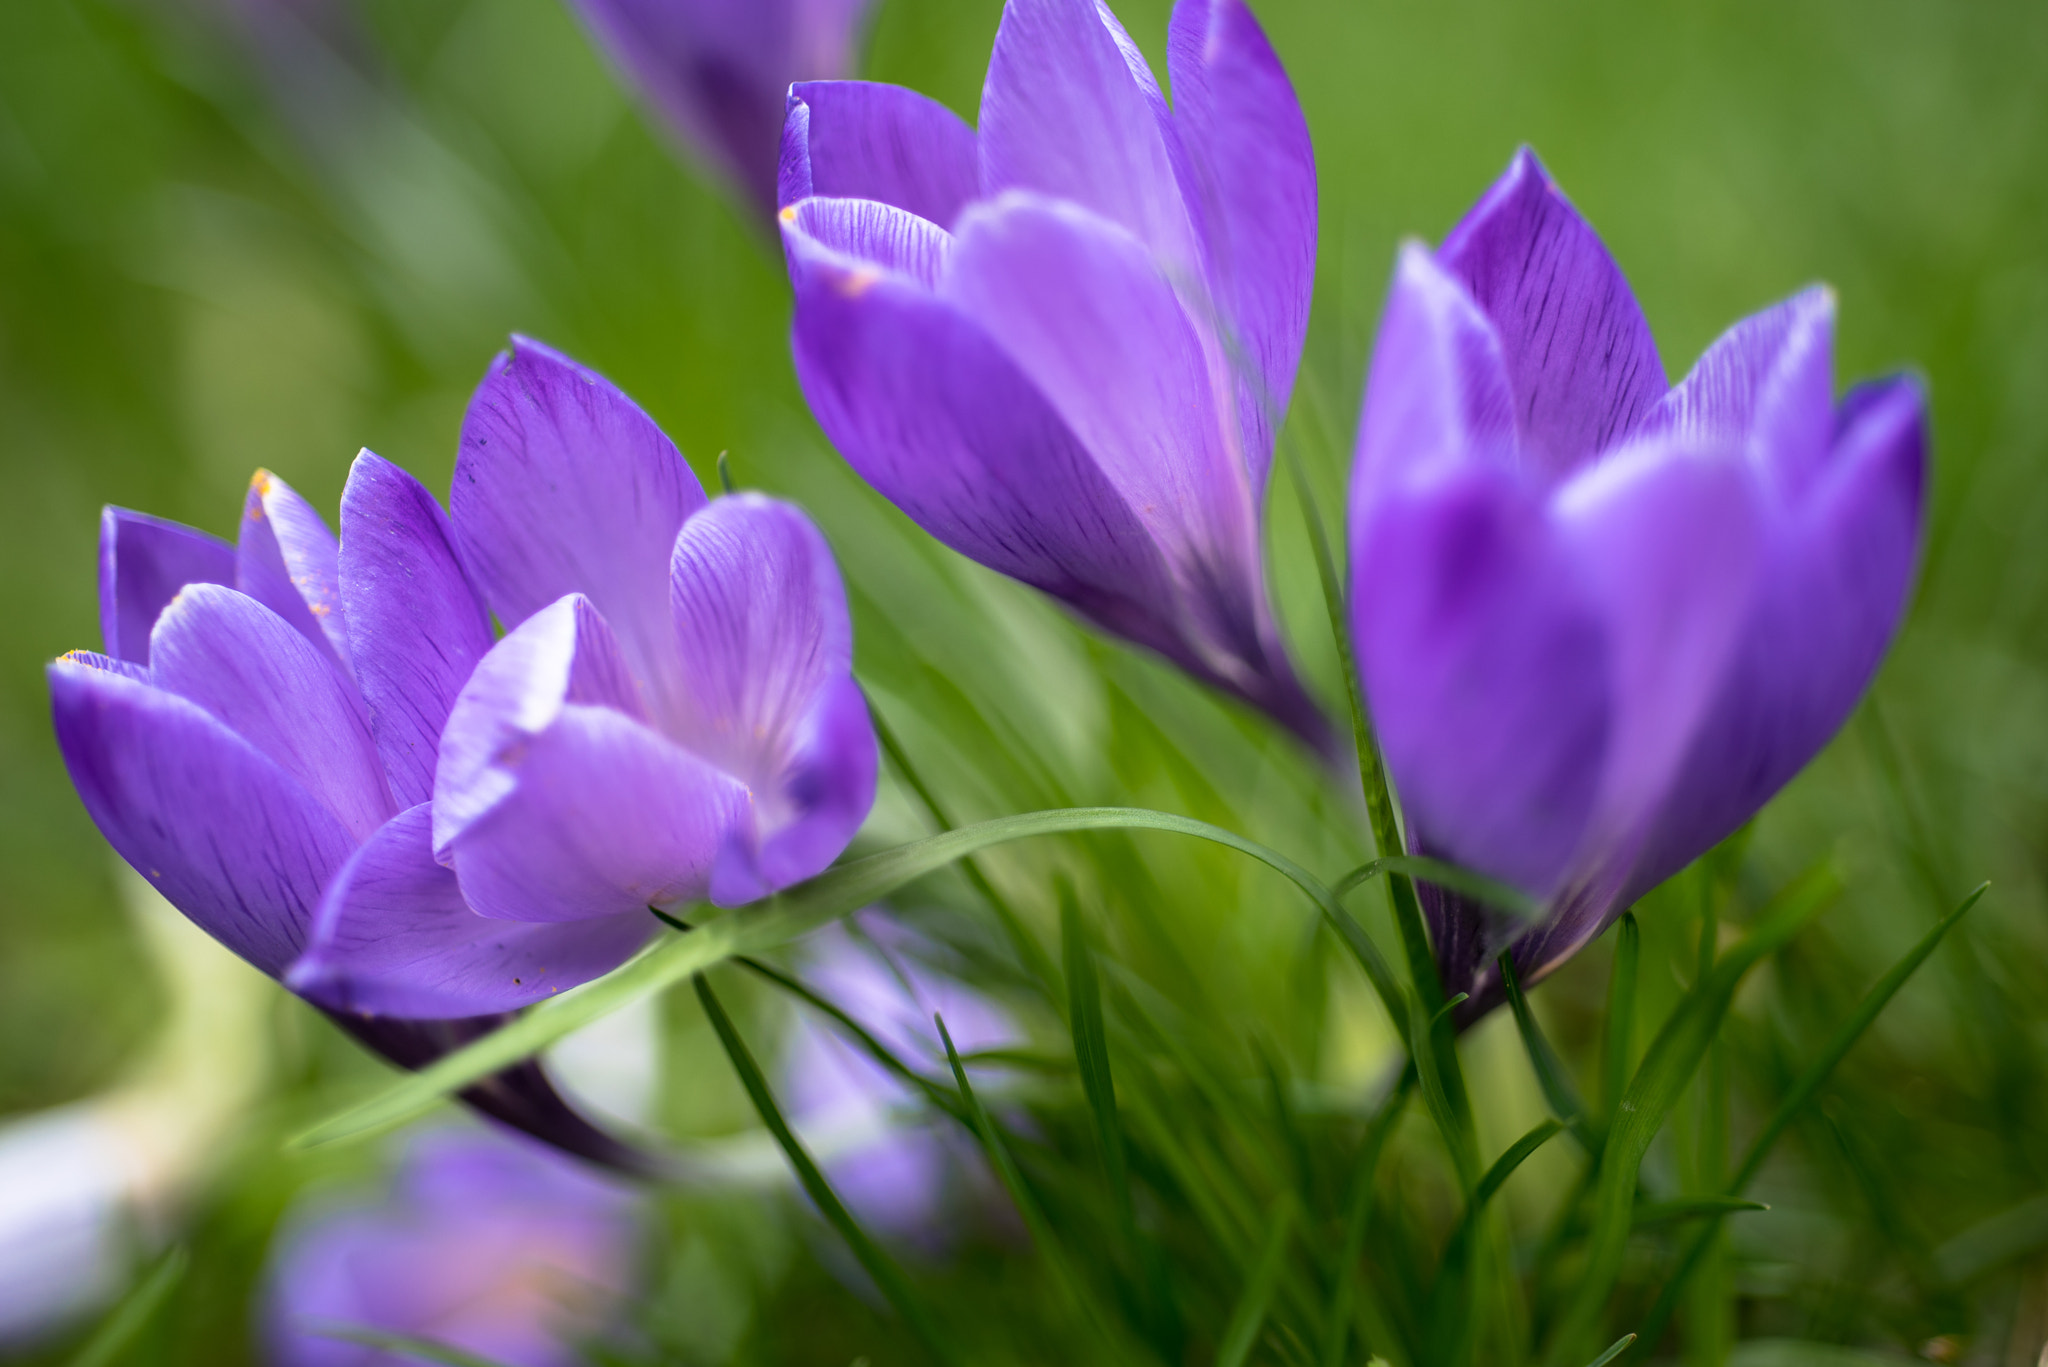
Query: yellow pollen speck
{"x":788,"y":214}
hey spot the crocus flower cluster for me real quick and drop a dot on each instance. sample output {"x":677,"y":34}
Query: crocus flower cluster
{"x":1061,"y":341}
{"x":484,"y":1246}
{"x":882,"y":1151}
{"x":333,"y":768}
{"x":1600,"y":620}
{"x":719,"y":70}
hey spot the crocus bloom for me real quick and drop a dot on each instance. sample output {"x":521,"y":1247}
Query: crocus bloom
{"x":486,"y":1246}
{"x":886,"y":1158}
{"x":240,"y":746}
{"x":1061,"y":343}
{"x":719,"y":70}
{"x":1601,"y":621}
{"x":671,"y":714}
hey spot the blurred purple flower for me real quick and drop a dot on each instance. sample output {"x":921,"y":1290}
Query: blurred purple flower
{"x":1600,"y":621}
{"x":672,"y":713}
{"x":886,"y":1158}
{"x":720,"y":70}
{"x":485,"y":1246}
{"x":1062,"y":343}
{"x":247,"y":748}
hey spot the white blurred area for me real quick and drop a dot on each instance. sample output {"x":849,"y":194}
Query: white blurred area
{"x":88,"y":1189}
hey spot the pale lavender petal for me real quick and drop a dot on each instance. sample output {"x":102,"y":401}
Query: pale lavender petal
{"x":767,"y":649}
{"x":285,"y":558}
{"x":1067,"y":111}
{"x":1251,"y":177}
{"x":1767,"y":385}
{"x":1583,"y":363}
{"x":266,"y":682}
{"x":1832,"y":589}
{"x":563,"y":485}
{"x":144,"y":561}
{"x":552,"y":804}
{"x":943,"y":424}
{"x":416,"y":625}
{"x":393,"y":937}
{"x":868,"y":234}
{"x":1486,"y":668}
{"x":1437,"y":395}
{"x":219,"y":829}
{"x":864,"y":140}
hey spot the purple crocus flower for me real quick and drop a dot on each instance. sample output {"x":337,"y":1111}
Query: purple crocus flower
{"x":719,"y":70}
{"x":1061,"y":343}
{"x":267,"y":710}
{"x":892,"y":1167}
{"x":486,"y":1246}
{"x":1601,"y":621}
{"x":671,"y":714}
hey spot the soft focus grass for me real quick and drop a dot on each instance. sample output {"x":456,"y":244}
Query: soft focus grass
{"x":216,"y":255}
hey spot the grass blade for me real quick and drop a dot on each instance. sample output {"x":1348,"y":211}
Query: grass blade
{"x":1246,"y":1319}
{"x":1558,"y":1092}
{"x":887,"y":1276}
{"x":1467,"y":883}
{"x":135,"y":1311}
{"x":1621,"y":1009}
{"x":1809,"y":1082}
{"x":789,"y":914}
{"x":1091,"y":1054}
{"x":1358,"y":1213}
{"x":1692,"y":1208}
{"x":1619,"y":1347}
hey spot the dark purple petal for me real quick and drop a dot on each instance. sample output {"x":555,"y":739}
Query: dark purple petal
{"x":1836,"y":573}
{"x":1252,"y":181}
{"x":1437,"y":395}
{"x":1486,"y":668}
{"x":820,"y":798}
{"x":416,"y":625}
{"x":1068,"y":109}
{"x":393,"y":937}
{"x":1584,"y":366}
{"x":863,"y":140}
{"x":945,"y":426}
{"x":144,"y":561}
{"x":552,"y":804}
{"x":219,"y":829}
{"x":1766,"y":385}
{"x":285,"y":559}
{"x":564,"y":486}
{"x":280,"y":692}
{"x":866,"y":234}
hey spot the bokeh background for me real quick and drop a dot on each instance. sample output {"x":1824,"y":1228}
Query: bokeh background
{"x":236,"y":234}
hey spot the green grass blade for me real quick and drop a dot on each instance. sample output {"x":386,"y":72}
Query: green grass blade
{"x":1808,"y":1083}
{"x":1504,"y":1167}
{"x":794,"y":912}
{"x":1246,"y":1319}
{"x":1558,"y":1092}
{"x":1620,"y":1346}
{"x":1091,"y":1055}
{"x":1692,"y":1208}
{"x":1465,"y":882}
{"x":121,"y":1328}
{"x":878,"y":1265}
{"x":1621,"y":1009}
{"x":408,"y":1345}
{"x":1665,"y":1072}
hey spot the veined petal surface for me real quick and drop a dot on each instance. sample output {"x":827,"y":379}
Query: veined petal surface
{"x":866,"y":140}
{"x":285,"y":558}
{"x":144,"y":561}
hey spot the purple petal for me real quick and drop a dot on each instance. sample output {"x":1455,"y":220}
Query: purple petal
{"x":1069,"y":110}
{"x":416,"y":625}
{"x":768,"y":651}
{"x":144,"y":561}
{"x":1089,"y":317}
{"x":564,"y":486}
{"x":1252,"y":175}
{"x":219,"y":829}
{"x":285,"y":558}
{"x":1486,"y":669}
{"x":1584,"y":366}
{"x":1767,"y":385}
{"x":946,"y":427}
{"x":1437,"y":395}
{"x":552,"y":804}
{"x":1833,"y":587}
{"x":866,"y":234}
{"x":393,"y":937}
{"x":863,"y":140}
{"x":241,"y":662}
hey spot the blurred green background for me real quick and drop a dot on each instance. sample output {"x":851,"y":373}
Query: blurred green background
{"x":219,"y":253}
